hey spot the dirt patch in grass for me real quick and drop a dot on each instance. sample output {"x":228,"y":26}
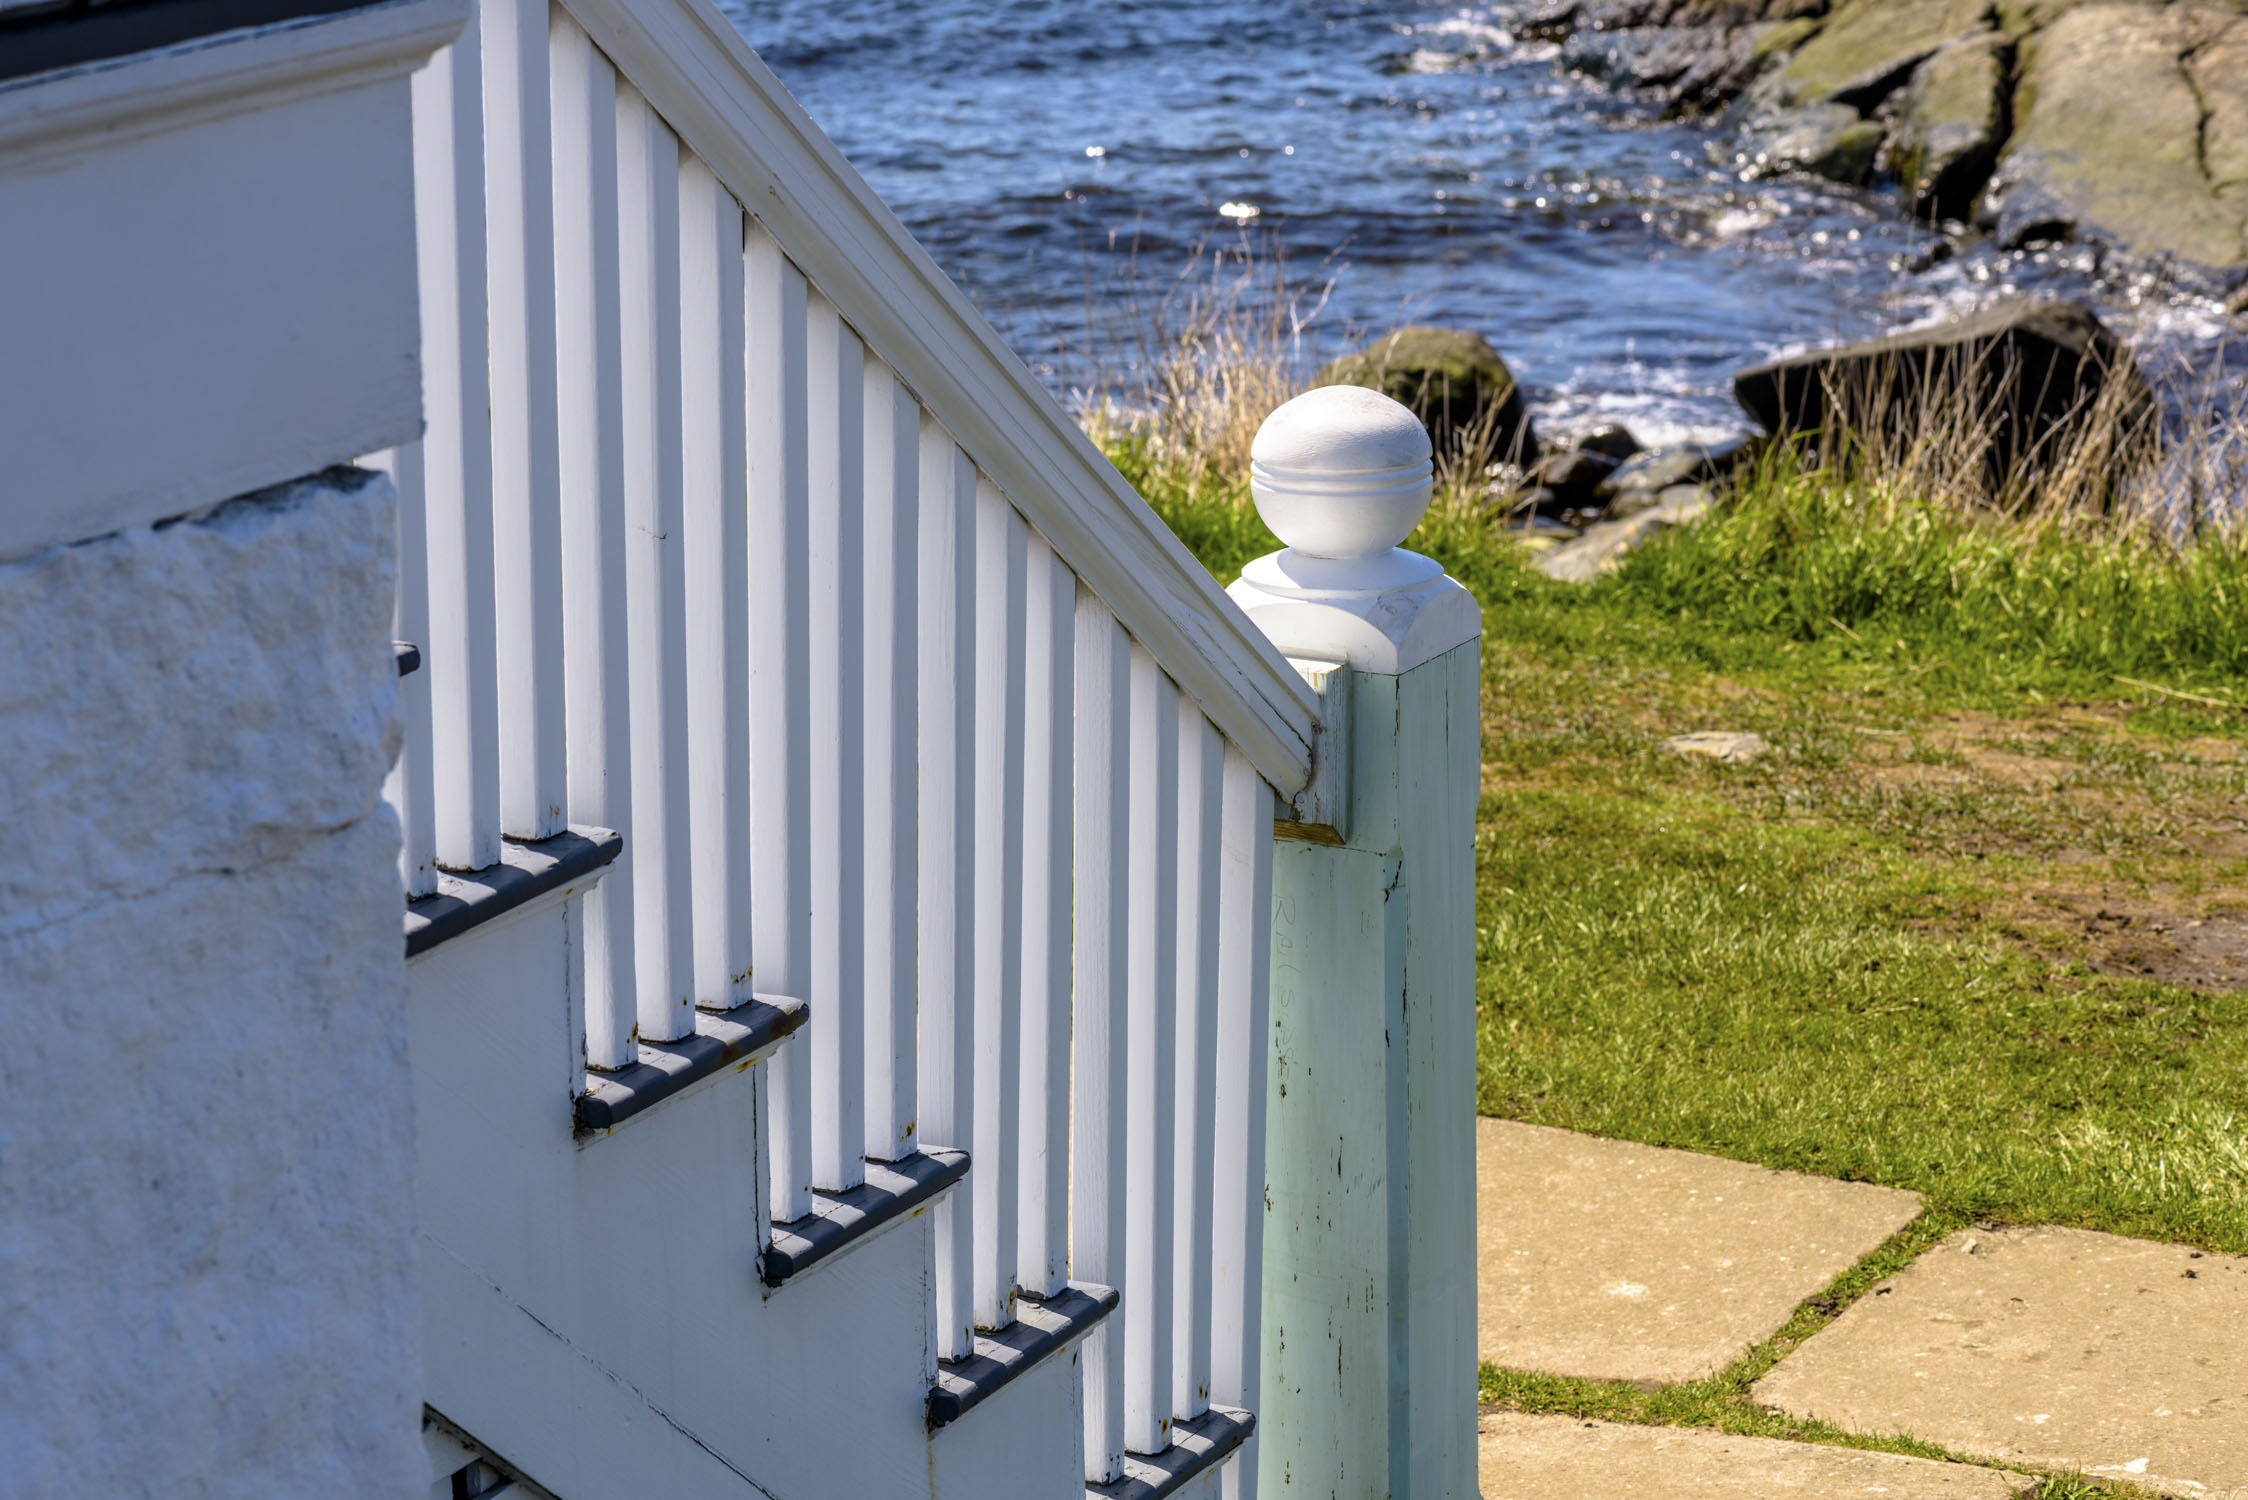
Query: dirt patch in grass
{"x":1917,"y":773}
{"x":2151,"y":835}
{"x":2037,"y":771}
{"x":2199,"y":943}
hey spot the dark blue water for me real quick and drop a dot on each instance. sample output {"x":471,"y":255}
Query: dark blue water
{"x":1397,"y":162}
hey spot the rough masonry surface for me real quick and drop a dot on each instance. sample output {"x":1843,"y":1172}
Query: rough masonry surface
{"x":206,"y":1259}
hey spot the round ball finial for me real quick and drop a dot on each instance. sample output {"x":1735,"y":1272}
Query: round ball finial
{"x":1341,"y":471}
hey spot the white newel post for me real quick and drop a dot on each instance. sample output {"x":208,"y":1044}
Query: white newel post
{"x":1369,"y":1386}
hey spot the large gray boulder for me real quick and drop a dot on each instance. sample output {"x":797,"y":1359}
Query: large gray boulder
{"x":2218,"y":71}
{"x":2033,"y":368}
{"x":1453,"y":380}
{"x":2108,"y":138}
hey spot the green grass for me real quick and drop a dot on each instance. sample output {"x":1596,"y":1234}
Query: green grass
{"x":1657,"y":966}
{"x":1876,"y":953}
{"x":1837,"y":959}
{"x":2024,"y":606}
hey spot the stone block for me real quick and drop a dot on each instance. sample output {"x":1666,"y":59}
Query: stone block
{"x":1562,"y":1458}
{"x":206,"y":1141}
{"x":2108,"y":140}
{"x":1870,"y":47}
{"x":195,"y":696}
{"x":1950,"y":125}
{"x":2060,"y":1348}
{"x":1615,"y":1261}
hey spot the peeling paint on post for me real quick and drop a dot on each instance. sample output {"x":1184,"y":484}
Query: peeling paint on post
{"x":1369,"y":1316}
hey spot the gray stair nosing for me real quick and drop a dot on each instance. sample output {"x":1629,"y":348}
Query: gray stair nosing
{"x":722,"y":1039}
{"x":526,"y":871}
{"x":1196,"y":1448}
{"x":892,"y":1191}
{"x":1043,"y":1326}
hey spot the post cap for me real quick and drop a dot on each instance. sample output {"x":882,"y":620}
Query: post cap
{"x":1342,"y":472}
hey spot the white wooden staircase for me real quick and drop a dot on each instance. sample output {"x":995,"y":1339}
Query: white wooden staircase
{"x":845,"y":930}
{"x":838,"y":834}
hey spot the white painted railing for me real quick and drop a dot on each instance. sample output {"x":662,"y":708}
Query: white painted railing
{"x":739,"y":533}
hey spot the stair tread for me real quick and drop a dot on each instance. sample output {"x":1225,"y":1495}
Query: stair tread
{"x":722,"y":1039}
{"x":526,"y":871}
{"x":893,"y":1190}
{"x":1042,"y":1326}
{"x":1196,"y":1448}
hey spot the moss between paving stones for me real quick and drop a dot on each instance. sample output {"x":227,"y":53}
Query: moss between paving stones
{"x":2044,"y":1346}
{"x":1722,"y":1401}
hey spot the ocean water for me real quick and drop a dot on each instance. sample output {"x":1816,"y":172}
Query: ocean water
{"x":1076,"y":165}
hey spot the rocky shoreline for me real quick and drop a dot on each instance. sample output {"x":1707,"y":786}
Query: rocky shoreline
{"x":2009,"y":391}
{"x":2123,"y":123}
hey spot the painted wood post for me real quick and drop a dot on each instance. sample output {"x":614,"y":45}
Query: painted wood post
{"x":1369,"y":1382}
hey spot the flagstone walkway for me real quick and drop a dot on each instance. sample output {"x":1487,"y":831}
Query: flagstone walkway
{"x":1562,"y":1458}
{"x":2047,"y":1348}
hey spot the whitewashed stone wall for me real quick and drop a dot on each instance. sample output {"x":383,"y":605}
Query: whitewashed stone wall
{"x":206,"y":1238}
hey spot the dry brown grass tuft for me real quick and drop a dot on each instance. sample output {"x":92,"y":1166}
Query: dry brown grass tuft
{"x":1950,"y":432}
{"x":1210,"y":358}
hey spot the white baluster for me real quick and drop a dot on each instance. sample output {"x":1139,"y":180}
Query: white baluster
{"x":1001,"y":540}
{"x":1237,"y":1228}
{"x":589,"y":377}
{"x":655,"y":561}
{"x":1152,"y":1078}
{"x":780,"y":690}
{"x":1201,"y":830}
{"x":717,"y":568}
{"x":838,"y":474}
{"x":890,"y":552}
{"x":1049,"y":636}
{"x":448,"y":106}
{"x":947,"y":1023}
{"x":519,"y":208}
{"x":1100,"y":1023}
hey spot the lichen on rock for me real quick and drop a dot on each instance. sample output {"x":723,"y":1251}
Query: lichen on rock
{"x":2119,"y":121}
{"x":1826,"y":140}
{"x":2107,"y":140}
{"x":1950,"y":126}
{"x":1870,"y":47}
{"x":1453,"y":380}
{"x":2218,"y":71}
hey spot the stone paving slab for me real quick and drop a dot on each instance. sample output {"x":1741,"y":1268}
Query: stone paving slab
{"x":2059,"y":1348}
{"x":1564,"y":1458}
{"x":1614,"y":1261}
